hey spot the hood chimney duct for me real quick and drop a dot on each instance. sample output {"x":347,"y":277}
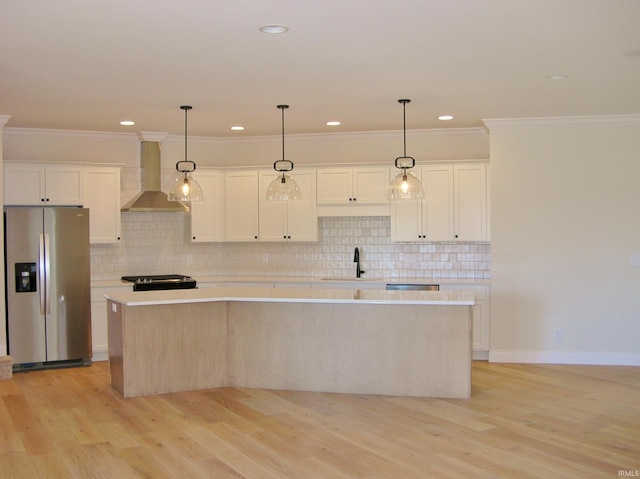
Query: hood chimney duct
{"x":151,"y":198}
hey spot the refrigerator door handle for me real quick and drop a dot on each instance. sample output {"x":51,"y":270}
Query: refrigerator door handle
{"x":41,"y":271}
{"x":47,"y":267}
{"x":44,"y":269}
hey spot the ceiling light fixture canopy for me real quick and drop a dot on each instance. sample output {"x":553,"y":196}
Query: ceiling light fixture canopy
{"x":185,"y":188}
{"x":405,"y":186}
{"x":284,"y":187}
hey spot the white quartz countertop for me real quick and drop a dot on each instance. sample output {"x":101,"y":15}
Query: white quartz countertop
{"x":293,"y":295}
{"x":203,"y":280}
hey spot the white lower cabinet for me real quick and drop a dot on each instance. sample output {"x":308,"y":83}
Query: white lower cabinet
{"x":99,"y":333}
{"x":481,"y":316}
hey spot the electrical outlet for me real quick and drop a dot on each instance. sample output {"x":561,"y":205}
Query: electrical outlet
{"x":557,"y":334}
{"x":265,"y":258}
{"x":634,"y":260}
{"x":189,"y":258}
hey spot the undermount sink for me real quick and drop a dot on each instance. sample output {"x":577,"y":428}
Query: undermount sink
{"x":349,"y":279}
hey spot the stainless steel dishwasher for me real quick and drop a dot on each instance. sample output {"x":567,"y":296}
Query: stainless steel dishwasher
{"x":413,"y":286}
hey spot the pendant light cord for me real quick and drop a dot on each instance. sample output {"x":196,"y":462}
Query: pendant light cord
{"x":186,"y":109}
{"x":404,"y":123}
{"x":282,"y":109}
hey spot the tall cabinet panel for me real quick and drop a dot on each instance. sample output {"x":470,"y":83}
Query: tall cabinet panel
{"x":470,"y":186}
{"x":207,"y":217}
{"x":102,"y":197}
{"x":241,"y":205}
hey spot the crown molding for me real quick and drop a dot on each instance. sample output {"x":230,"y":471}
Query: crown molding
{"x":69,"y":134}
{"x":166,"y":138}
{"x":494,"y":124}
{"x":364,"y":135}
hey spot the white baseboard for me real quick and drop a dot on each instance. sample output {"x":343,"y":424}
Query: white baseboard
{"x":564,"y":357}
{"x":100,"y":353}
{"x":481,"y":355}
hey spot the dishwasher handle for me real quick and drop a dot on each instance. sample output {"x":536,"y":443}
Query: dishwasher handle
{"x":413,"y":287}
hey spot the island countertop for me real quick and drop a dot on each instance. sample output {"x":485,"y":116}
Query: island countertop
{"x":293,"y":295}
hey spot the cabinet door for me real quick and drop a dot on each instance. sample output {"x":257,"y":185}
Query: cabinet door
{"x":102,"y":197}
{"x":406,"y":220}
{"x":24,"y":185}
{"x":335,"y":186}
{"x":241,"y":205}
{"x":370,"y":185}
{"x":63,"y":185}
{"x":273,"y":214}
{"x":470,"y":186}
{"x":437,"y":206}
{"x":32,"y":185}
{"x":207,"y":216}
{"x":481,"y":313}
{"x":302,"y":218}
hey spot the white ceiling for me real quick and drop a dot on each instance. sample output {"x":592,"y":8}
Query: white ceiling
{"x":86,"y":65}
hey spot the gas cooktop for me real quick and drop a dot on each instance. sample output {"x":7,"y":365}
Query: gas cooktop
{"x":160,"y":282}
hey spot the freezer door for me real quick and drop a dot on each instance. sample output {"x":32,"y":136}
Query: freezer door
{"x":25,"y":321}
{"x":68,"y":321}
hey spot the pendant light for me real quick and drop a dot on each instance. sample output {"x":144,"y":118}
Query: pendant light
{"x":284,"y":187}
{"x":405,"y":186}
{"x":185,"y":188}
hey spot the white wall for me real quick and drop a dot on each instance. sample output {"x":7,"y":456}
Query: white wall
{"x":565,"y":216}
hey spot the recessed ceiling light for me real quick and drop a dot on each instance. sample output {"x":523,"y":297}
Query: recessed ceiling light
{"x":127,"y":123}
{"x":273,"y":29}
{"x":445,"y":117}
{"x":237,"y":128}
{"x":556,"y":76}
{"x":333,"y":123}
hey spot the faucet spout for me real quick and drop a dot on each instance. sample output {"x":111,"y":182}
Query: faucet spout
{"x":356,"y":259}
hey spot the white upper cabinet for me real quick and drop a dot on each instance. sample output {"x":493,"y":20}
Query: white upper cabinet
{"x":31,"y":185}
{"x":102,"y":197}
{"x":343,"y":186}
{"x":208,"y":216}
{"x":454,"y":208}
{"x":293,"y":220}
{"x":358,"y":191}
{"x":470,"y":187}
{"x":241,"y":205}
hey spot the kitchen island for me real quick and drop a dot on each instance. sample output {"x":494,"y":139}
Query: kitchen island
{"x":408,"y":343}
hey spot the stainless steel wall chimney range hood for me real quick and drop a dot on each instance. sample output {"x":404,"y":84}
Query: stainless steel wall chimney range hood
{"x":151,"y":198}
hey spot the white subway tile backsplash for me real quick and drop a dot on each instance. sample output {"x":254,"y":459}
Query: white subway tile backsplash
{"x":156,"y":243}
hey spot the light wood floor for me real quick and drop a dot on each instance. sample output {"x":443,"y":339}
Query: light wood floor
{"x":523,"y":421}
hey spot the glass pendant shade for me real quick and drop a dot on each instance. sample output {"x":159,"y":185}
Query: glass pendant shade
{"x":405,"y":186}
{"x":185,"y":188}
{"x":283,"y":188}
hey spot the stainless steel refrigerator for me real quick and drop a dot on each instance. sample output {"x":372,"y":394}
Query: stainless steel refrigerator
{"x":47,"y":281}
